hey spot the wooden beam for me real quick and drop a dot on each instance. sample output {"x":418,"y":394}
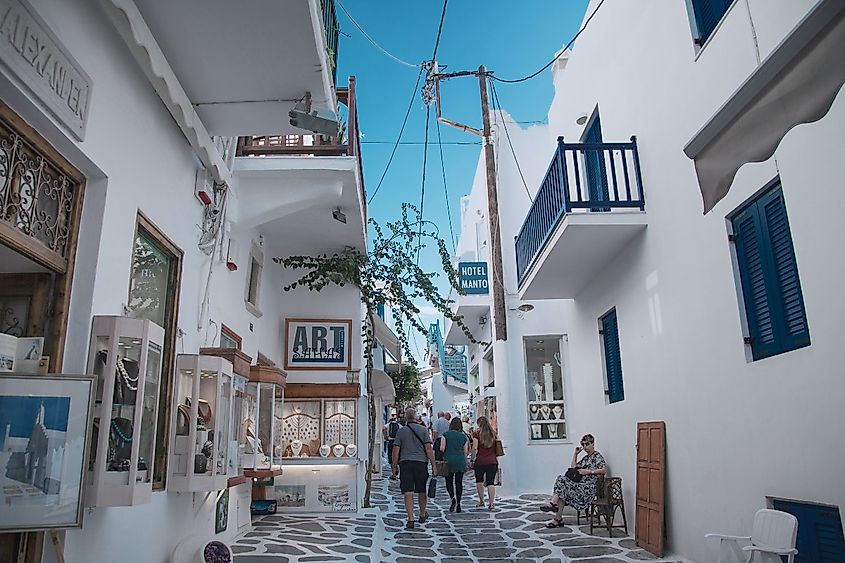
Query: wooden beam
{"x":322,"y":391}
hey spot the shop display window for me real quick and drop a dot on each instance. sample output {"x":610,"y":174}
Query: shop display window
{"x":263,"y":395}
{"x":319,"y":428}
{"x":544,"y":383}
{"x":126,"y":356}
{"x":200,"y":424}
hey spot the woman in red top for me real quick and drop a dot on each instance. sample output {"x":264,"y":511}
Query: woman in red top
{"x":486,"y":464}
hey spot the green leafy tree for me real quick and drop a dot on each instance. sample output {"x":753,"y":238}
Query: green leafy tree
{"x":387,"y":274}
{"x":407,"y":385}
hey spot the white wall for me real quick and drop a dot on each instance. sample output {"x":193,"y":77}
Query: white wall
{"x":737,"y":431}
{"x":136,"y":158}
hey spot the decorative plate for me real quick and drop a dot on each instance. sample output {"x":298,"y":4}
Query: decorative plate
{"x":325,"y":450}
{"x":338,"y":449}
{"x":351,"y":450}
{"x":296,"y":447}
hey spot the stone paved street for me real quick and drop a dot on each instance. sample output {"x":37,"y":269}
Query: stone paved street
{"x":514,"y":532}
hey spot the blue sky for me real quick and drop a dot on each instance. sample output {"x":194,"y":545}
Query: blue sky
{"x":512,"y":39}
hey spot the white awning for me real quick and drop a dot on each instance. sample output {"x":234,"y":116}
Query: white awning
{"x":383,"y":386}
{"x":387,"y":338}
{"x":796,"y":84}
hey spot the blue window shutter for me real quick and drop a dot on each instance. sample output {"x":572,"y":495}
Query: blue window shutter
{"x":595,"y":167}
{"x":612,"y":357}
{"x":708,"y":13}
{"x":820,"y":536}
{"x":771,"y":289}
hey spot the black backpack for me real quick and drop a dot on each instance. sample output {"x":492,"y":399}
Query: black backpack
{"x":392,"y":430}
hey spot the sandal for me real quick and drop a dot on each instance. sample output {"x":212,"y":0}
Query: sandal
{"x":549,"y":508}
{"x":555,"y":523}
{"x":422,"y":518}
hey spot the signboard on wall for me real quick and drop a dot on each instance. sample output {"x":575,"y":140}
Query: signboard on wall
{"x":33,"y":53}
{"x":472,"y":278}
{"x":318,"y":344}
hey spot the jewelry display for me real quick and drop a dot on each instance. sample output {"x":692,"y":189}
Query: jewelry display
{"x":296,"y":447}
{"x":552,"y":431}
{"x":325,"y":450}
{"x":558,"y":411}
{"x":533,"y":412}
{"x":547,"y":379}
{"x":545,"y":412}
{"x":302,"y":423}
{"x":340,"y":422}
{"x":338,"y":450}
{"x":120,"y":444}
{"x":351,"y":450}
{"x":536,"y":431}
{"x":538,"y":389}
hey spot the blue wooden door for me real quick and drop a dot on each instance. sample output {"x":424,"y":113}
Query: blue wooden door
{"x":595,"y":167}
{"x":820,"y":537}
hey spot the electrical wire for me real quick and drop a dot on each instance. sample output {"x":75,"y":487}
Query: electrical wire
{"x":399,"y":138}
{"x":407,"y":143}
{"x":498,"y":105}
{"x":446,"y":191}
{"x":551,"y":62}
{"x":370,"y":39}
{"x":439,"y":30}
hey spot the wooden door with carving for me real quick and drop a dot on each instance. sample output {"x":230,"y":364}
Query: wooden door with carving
{"x":651,"y":470}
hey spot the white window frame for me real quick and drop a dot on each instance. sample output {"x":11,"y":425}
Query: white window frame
{"x":256,"y":262}
{"x":562,"y":340}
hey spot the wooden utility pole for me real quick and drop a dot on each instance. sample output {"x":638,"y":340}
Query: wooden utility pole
{"x":501,"y":324}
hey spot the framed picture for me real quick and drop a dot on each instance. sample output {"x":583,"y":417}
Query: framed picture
{"x":221,"y":520}
{"x":318,"y":344}
{"x":45,"y":435}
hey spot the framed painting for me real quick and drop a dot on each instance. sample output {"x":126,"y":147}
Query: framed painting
{"x":45,"y":435}
{"x":318,"y":344}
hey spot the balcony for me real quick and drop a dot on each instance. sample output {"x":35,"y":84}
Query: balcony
{"x":590,"y":206}
{"x":307,"y":190}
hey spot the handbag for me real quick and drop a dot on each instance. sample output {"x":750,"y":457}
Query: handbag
{"x":500,"y":449}
{"x":432,"y":487}
{"x":573,"y":475}
{"x":441,"y":468}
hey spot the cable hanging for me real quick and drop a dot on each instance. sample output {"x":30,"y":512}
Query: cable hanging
{"x":497,"y":105}
{"x":399,"y":138}
{"x":551,"y":62}
{"x":371,"y":40}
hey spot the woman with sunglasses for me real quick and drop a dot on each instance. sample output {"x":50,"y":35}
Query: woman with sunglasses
{"x":579,"y":494}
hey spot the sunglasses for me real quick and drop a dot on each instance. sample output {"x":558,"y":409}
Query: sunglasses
{"x":586,"y":443}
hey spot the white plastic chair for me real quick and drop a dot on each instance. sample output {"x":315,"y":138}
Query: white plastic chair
{"x":772,"y":535}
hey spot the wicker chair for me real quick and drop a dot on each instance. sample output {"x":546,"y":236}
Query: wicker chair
{"x":608,"y":499}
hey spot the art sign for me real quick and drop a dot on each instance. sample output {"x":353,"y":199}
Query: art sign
{"x":33,"y":53}
{"x":472,"y":278}
{"x":318,"y":344}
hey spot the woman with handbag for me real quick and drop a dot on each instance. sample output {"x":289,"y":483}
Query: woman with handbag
{"x":486,"y":465}
{"x":577,"y":488}
{"x":455,"y":447}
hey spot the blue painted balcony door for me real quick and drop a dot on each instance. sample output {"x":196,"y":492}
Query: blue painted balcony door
{"x":595,"y":167}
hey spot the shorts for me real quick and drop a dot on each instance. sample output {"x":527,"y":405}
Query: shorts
{"x":413,"y":476}
{"x":486,"y":473}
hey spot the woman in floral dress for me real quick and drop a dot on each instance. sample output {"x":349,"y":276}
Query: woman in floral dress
{"x":577,"y":495}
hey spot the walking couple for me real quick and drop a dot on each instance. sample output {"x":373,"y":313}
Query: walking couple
{"x":455,"y":448}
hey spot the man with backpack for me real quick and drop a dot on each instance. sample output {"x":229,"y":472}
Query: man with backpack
{"x":390,"y":431}
{"x":412,"y":452}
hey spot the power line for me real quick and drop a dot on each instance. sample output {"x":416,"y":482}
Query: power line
{"x":399,"y":138}
{"x":439,"y":30}
{"x":370,"y":39}
{"x":498,"y":105}
{"x":417,"y":143}
{"x":551,"y":62}
{"x":446,"y":191}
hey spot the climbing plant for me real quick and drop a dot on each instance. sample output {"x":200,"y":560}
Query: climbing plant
{"x":388,"y":274}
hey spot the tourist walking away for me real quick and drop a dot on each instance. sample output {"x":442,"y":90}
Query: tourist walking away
{"x":577,"y":488}
{"x":486,"y":464}
{"x":412,"y":453}
{"x":466,"y":425}
{"x":438,"y":428}
{"x":455,"y":447}
{"x":390,"y":430}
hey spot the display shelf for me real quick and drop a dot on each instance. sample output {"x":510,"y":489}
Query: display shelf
{"x":200,"y":424}
{"x":239,"y":360}
{"x":258,"y":448}
{"x":561,"y":421}
{"x":263,"y":473}
{"x":126,"y":356}
{"x":235,"y":481}
{"x":555,"y":402}
{"x":320,"y":461}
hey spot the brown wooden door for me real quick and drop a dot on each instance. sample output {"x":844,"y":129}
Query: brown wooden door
{"x":651,"y":469}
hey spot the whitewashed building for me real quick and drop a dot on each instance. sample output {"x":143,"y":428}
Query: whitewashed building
{"x":724,"y":325}
{"x":167,"y":127}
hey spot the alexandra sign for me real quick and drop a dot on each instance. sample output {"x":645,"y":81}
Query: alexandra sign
{"x":472,"y":277}
{"x":318,"y":344}
{"x":30,"y":50}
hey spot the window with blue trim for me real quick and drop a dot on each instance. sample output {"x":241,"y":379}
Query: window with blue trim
{"x":609,"y":332}
{"x":707,"y":15}
{"x":771,"y":288}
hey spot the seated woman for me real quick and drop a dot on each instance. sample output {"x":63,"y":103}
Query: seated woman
{"x":577,"y":495}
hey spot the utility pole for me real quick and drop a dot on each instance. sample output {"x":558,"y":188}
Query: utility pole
{"x":501,"y":324}
{"x":500,"y":314}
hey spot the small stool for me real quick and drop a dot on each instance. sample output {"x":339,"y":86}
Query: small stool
{"x":606,"y":506}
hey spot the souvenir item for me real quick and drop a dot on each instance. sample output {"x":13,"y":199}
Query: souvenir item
{"x":553,"y":431}
{"x":547,"y":379}
{"x":558,"y":411}
{"x":338,"y":450}
{"x":538,"y":391}
{"x":536,"y":431}
{"x":296,"y":447}
{"x":545,"y":412}
{"x":534,"y":412}
{"x":325,"y":450}
{"x":351,"y":450}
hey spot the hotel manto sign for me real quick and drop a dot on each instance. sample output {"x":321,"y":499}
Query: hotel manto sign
{"x":472,"y":277}
{"x":33,"y":54}
{"x":318,"y":344}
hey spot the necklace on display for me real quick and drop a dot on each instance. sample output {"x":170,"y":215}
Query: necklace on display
{"x":119,"y":433}
{"x":128,"y":380}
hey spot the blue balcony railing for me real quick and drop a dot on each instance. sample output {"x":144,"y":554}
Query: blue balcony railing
{"x":585,"y":178}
